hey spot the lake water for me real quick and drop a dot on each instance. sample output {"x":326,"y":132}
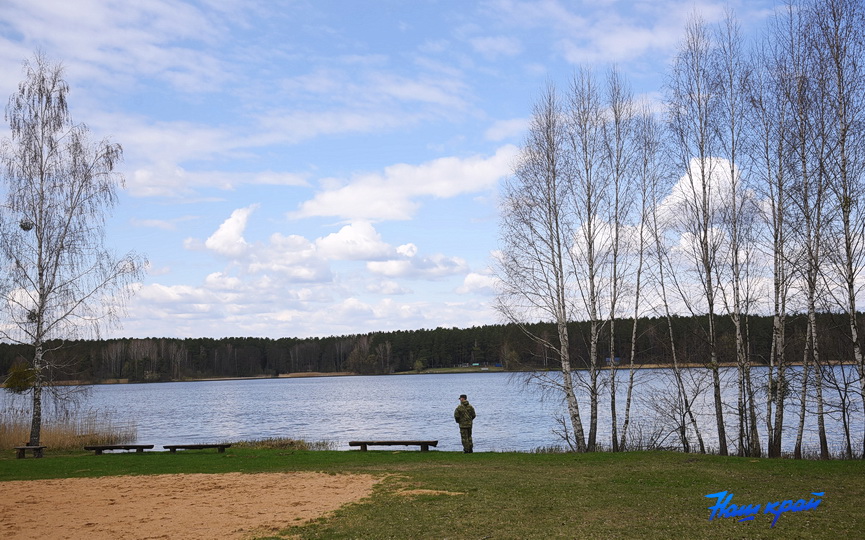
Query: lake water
{"x":511,"y":415}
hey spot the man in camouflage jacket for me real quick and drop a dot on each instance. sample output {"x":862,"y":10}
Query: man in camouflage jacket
{"x":464,"y":415}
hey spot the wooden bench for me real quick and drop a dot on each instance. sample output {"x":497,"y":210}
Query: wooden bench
{"x":424,"y":445}
{"x":173,"y":448}
{"x":37,"y":451}
{"x":99,"y":448}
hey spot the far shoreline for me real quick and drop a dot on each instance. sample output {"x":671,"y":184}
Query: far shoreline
{"x":429,"y":371}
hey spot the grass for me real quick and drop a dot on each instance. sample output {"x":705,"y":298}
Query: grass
{"x":644,"y":495}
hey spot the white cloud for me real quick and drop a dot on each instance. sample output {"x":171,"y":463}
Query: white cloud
{"x":436,"y":266}
{"x":393,"y":193}
{"x":407,"y":250}
{"x":119,"y":41}
{"x":228,"y":238}
{"x":478,"y":283}
{"x":358,"y":241}
{"x":387,"y":287}
{"x":292,"y":258}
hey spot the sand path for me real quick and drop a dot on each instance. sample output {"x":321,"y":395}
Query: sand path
{"x":180,"y":506}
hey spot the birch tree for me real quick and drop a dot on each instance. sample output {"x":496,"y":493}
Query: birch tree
{"x":840,"y":39}
{"x":590,"y":244}
{"x":619,"y":153}
{"x":59,"y":281}
{"x":536,"y":237}
{"x":692,"y":109}
{"x":804,"y":90}
{"x":736,"y":218}
{"x":768,"y":121}
{"x":649,"y":170}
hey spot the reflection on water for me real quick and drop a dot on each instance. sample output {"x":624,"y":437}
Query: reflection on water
{"x":511,"y":416}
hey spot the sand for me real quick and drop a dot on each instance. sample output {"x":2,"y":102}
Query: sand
{"x":178,"y":506}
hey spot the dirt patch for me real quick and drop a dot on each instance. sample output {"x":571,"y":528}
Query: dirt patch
{"x":189,"y":506}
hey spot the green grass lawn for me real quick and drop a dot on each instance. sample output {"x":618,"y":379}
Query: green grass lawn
{"x":519,"y":495}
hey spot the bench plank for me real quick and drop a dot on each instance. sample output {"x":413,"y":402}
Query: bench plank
{"x":99,"y":448}
{"x":37,"y":451}
{"x":173,"y":448}
{"x":424,"y":445}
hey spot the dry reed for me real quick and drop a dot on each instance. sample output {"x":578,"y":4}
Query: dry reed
{"x":66,"y":431}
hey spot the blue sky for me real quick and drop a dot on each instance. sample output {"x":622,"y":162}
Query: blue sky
{"x":314,"y":168}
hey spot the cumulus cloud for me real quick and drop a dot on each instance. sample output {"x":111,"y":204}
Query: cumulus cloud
{"x":393,"y":194}
{"x":358,"y":241}
{"x":478,"y":283}
{"x":228,"y":238}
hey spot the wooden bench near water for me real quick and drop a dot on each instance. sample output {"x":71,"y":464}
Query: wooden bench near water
{"x":37,"y":450}
{"x":99,"y":448}
{"x":173,"y":448}
{"x":424,"y":445}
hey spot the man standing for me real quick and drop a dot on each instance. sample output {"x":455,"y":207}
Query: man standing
{"x":464,"y":415}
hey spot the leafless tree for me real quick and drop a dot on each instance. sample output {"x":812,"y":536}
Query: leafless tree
{"x":807,"y":147}
{"x":536,"y":236}
{"x":736,"y":217}
{"x":839,"y":34}
{"x":649,"y":169}
{"x":692,"y":112}
{"x":768,"y":121}
{"x":591,"y":243}
{"x":620,"y":147}
{"x":58,"y":279}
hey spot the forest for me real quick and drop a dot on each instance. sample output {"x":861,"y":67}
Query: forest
{"x":510,"y":346}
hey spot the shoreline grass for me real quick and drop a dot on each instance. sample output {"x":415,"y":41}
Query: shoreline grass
{"x":436,"y":494}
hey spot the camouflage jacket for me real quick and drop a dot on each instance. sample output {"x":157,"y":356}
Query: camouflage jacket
{"x":464,"y":414}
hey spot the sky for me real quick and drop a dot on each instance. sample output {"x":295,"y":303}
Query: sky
{"x":303,"y":168}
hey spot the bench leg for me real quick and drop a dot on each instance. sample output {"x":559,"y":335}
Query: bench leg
{"x":98,"y":451}
{"x":19,"y":453}
{"x":363,"y":448}
{"x":140,"y":450}
{"x":424,"y":448}
{"x":221,"y":450}
{"x":37,"y":452}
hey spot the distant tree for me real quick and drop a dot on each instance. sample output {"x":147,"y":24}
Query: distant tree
{"x":58,"y":279}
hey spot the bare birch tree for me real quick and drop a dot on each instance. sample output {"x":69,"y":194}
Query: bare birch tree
{"x":805,"y":92}
{"x":536,"y":236}
{"x":768,"y":122}
{"x":736,"y":219}
{"x":648,"y":169}
{"x":619,"y":150}
{"x":58,"y":280}
{"x":589,"y":190}
{"x":840,"y":40}
{"x":692,"y":109}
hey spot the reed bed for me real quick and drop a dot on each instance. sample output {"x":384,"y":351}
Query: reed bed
{"x":65,"y":431}
{"x":282,"y":443}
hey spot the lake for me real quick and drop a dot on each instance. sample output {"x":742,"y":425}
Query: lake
{"x":511,"y":415}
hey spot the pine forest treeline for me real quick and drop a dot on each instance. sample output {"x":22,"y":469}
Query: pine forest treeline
{"x":172,"y":359}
